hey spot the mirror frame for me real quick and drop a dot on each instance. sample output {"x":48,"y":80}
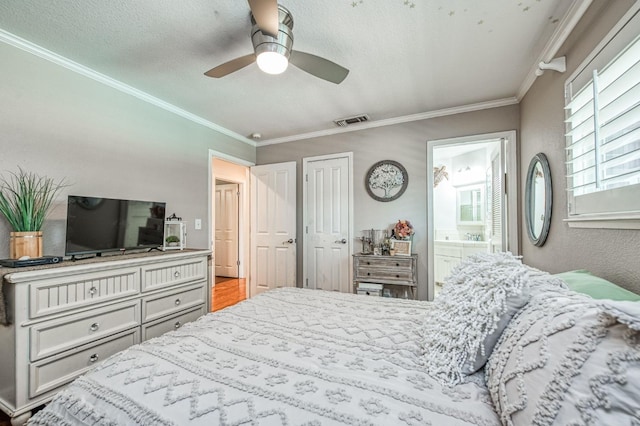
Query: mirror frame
{"x":548,"y":198}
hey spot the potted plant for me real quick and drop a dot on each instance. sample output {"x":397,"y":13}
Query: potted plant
{"x":172,"y":240}
{"x":25,"y":200}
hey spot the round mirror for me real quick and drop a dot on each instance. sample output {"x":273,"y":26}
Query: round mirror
{"x":538,"y":199}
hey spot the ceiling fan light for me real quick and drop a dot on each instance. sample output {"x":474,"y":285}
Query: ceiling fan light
{"x":272,"y":62}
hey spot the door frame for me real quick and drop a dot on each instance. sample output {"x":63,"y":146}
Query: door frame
{"x":244,"y":211}
{"x":305,"y":214}
{"x":510,"y":163}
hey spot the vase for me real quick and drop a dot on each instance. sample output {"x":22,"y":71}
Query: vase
{"x":25,"y":244}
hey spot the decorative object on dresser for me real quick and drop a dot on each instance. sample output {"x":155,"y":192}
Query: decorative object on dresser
{"x":401,"y":248}
{"x":61,"y":320}
{"x":386,"y":180}
{"x":398,"y":272}
{"x":175,"y":233}
{"x":25,"y":200}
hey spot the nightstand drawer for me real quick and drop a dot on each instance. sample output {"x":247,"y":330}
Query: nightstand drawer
{"x":173,"y":273}
{"x":53,"y":337}
{"x":154,"y":307}
{"x":160,"y":327}
{"x":58,"y":370}
{"x":369,"y":273}
{"x":386,"y":262}
{"x":62,"y":294}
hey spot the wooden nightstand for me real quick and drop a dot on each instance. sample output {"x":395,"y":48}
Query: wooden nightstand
{"x":398,"y":272}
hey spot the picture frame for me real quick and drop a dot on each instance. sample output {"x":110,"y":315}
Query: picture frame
{"x":401,"y":247}
{"x":386,"y":180}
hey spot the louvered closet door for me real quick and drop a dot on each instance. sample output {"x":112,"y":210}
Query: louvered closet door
{"x":496,"y":223}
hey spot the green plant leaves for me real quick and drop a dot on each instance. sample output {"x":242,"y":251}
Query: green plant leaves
{"x":25,"y":199}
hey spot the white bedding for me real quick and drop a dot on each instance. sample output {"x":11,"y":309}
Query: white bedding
{"x":286,"y":357}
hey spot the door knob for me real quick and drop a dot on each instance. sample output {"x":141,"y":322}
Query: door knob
{"x":342,"y":241}
{"x":289,"y":241}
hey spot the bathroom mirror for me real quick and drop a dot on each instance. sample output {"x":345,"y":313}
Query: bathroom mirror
{"x":470,"y":203}
{"x":538,"y":199}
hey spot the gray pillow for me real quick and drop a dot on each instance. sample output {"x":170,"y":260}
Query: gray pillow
{"x":477,"y":301}
{"x":568,"y":359}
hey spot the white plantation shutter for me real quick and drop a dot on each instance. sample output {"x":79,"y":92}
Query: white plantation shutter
{"x":603,"y":128}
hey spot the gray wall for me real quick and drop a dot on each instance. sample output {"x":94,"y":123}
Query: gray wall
{"x":611,"y":254}
{"x":405,"y":143}
{"x":103,"y":142}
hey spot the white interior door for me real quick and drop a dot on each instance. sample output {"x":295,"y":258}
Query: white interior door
{"x":327,"y":239}
{"x":226,"y":238}
{"x":273,"y":227}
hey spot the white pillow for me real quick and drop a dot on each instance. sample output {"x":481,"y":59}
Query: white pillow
{"x":476,"y":303}
{"x":568,"y":359}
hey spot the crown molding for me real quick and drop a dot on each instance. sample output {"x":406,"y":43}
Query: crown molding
{"x":27,"y":46}
{"x":555,"y":42}
{"x":395,"y":120}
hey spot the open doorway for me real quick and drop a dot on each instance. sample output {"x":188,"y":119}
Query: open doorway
{"x":230,"y":230}
{"x":469,"y":208}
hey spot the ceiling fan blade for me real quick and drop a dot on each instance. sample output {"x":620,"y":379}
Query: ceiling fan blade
{"x":231,"y":66}
{"x":320,"y":67}
{"x":265,"y":13}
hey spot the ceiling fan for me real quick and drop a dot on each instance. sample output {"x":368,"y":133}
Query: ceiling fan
{"x":272,"y":37}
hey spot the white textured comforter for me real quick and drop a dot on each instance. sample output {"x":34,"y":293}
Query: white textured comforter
{"x":286,"y":357}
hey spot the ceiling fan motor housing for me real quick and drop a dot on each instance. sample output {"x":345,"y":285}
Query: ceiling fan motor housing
{"x":265,"y":43}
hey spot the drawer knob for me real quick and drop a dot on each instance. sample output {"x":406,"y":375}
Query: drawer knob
{"x":94,"y":358}
{"x":368,"y":263}
{"x":93,"y":291}
{"x":94,"y":327}
{"x":397,"y":276}
{"x":176,"y":274}
{"x":397,"y":264}
{"x":177,"y":325}
{"x":177,"y":302}
{"x":368,"y":273}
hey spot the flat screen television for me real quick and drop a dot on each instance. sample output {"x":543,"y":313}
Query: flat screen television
{"x":97,"y":225}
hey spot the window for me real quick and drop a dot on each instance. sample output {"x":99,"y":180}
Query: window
{"x":603,"y":132}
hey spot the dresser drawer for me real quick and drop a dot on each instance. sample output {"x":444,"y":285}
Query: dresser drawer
{"x":157,"y":306}
{"x":65,"y":293}
{"x":373,"y":273}
{"x":386,"y":262}
{"x":173,"y":273}
{"x":58,"y":370}
{"x":53,"y":337}
{"x":158,"y":328}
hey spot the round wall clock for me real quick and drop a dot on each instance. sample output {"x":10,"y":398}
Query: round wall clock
{"x":386,"y":180}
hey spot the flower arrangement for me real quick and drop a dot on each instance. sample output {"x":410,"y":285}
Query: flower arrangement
{"x":402,"y":230}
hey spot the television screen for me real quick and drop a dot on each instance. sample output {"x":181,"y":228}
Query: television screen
{"x":96,"y":225}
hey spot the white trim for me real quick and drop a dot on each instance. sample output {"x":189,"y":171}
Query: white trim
{"x":629,"y":220}
{"x":27,"y":46}
{"x":350,"y":238}
{"x":555,"y":42}
{"x":396,"y":120}
{"x":243,"y":207}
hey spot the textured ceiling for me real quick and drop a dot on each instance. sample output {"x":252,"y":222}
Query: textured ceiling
{"x":404,"y":57}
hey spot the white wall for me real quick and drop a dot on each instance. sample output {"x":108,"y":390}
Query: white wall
{"x":103,"y":142}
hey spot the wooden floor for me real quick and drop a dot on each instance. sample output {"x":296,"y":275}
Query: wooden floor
{"x":227,"y":292}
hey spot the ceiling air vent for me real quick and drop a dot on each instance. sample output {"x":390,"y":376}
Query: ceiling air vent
{"x":344,"y":122}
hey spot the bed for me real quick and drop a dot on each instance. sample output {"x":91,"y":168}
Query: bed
{"x":495,"y":348}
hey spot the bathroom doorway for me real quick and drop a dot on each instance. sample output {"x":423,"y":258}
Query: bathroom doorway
{"x":470,"y":210}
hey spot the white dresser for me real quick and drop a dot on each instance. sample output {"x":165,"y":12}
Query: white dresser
{"x":66,"y":318}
